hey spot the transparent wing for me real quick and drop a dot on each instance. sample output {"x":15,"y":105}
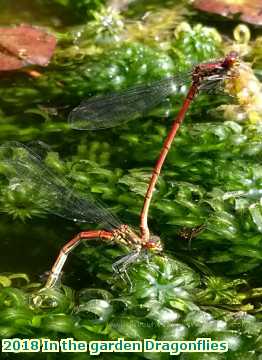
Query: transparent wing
{"x":116,"y":108}
{"x":58,"y":194}
{"x":213,"y":85}
{"x":101,"y":112}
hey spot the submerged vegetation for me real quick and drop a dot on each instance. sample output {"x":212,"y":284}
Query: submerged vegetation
{"x":207,"y":206}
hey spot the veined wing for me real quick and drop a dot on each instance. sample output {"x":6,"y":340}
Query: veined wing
{"x":101,"y":112}
{"x":58,"y":194}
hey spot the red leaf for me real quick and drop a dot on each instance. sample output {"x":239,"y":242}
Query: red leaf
{"x":25,"y":45}
{"x":249,"y":10}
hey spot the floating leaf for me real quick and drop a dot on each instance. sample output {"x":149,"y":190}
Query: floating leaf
{"x":25,"y":45}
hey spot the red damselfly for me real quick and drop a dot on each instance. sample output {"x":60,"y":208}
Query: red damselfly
{"x":57,"y":196}
{"x":114,"y":109}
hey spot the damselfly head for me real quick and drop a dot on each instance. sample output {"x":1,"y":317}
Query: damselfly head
{"x":231,"y":60}
{"x":154,"y":244}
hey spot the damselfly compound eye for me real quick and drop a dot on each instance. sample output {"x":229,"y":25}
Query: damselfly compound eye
{"x":231,"y":59}
{"x":154,"y":244}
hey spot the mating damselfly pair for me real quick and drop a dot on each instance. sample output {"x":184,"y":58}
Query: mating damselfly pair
{"x":103,"y":112}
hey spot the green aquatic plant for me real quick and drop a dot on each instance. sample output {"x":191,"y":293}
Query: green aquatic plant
{"x":164,"y":303}
{"x":77,"y":12}
{"x":211,"y":183}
